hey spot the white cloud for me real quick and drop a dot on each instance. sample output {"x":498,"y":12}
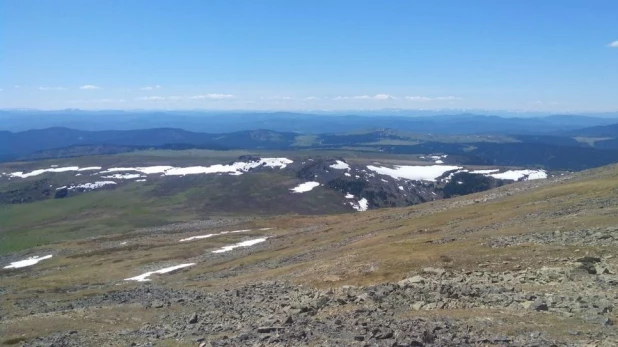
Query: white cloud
{"x":383,"y":97}
{"x":427,"y":98}
{"x":89,"y":87}
{"x":553,"y":103}
{"x":417,"y":98}
{"x":98,"y":101}
{"x":152,"y":98}
{"x":151,"y":87}
{"x":278,"y":98}
{"x":366,"y":97}
{"x":52,"y":88}
{"x":212,"y":96}
{"x":311,"y":98}
{"x":613,"y":44}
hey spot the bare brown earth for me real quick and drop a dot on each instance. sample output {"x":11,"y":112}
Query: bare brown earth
{"x":532,"y":263}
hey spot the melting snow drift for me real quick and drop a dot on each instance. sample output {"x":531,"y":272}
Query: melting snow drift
{"x":340,"y":165}
{"x":362,"y":205}
{"x":237,"y":168}
{"x":240,"y":244}
{"x":484,"y":172}
{"x":305,"y":187}
{"x":27,"y":262}
{"x":519,"y":174}
{"x":124,"y":176}
{"x":418,"y":173}
{"x":211,"y":235}
{"x":53,"y":169}
{"x":95,"y":185}
{"x":144,"y":277}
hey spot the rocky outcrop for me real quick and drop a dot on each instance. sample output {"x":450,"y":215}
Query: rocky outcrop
{"x":280,"y":313}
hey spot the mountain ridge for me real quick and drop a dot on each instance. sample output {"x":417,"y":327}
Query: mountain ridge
{"x":549,"y":151}
{"x":302,"y":122}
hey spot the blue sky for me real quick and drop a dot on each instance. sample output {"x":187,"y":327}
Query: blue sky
{"x":306,"y":55}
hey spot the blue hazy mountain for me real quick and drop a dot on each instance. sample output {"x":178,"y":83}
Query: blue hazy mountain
{"x":224,"y":122}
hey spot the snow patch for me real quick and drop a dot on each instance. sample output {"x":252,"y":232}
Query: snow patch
{"x":240,"y":244}
{"x":42,"y":171}
{"x":124,"y":176}
{"x":439,"y":161}
{"x":90,"y":186}
{"x":146,"y":170}
{"x":305,"y":187}
{"x":519,"y":174}
{"x":484,"y":172}
{"x":419,"y":173}
{"x":361,"y":206}
{"x":144,"y":277}
{"x":349,"y":196}
{"x":27,"y":262}
{"x":340,"y":165}
{"x":450,"y":176}
{"x":211,"y":235}
{"x":237,"y":168}
{"x":53,"y":169}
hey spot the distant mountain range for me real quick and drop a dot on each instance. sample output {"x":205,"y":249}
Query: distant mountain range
{"x":575,"y":150}
{"x":225,"y":122}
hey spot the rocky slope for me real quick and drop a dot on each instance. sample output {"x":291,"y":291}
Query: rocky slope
{"x":527,"y":264}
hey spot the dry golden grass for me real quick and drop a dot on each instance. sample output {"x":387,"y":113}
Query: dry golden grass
{"x":92,"y":322}
{"x":358,"y":249}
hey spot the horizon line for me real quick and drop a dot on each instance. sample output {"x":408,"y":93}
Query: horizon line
{"x":394,"y":110}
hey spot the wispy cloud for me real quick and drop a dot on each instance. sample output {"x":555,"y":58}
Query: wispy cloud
{"x":98,"y":101}
{"x":366,"y":97}
{"x":153,"y":98}
{"x":89,"y":87}
{"x":552,"y":103}
{"x":309,"y":98}
{"x":151,"y":87}
{"x":278,"y":98}
{"x":427,"y":98}
{"x":16,"y":87}
{"x":52,"y":88}
{"x":212,"y":96}
{"x":613,"y":44}
{"x":383,"y":97}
